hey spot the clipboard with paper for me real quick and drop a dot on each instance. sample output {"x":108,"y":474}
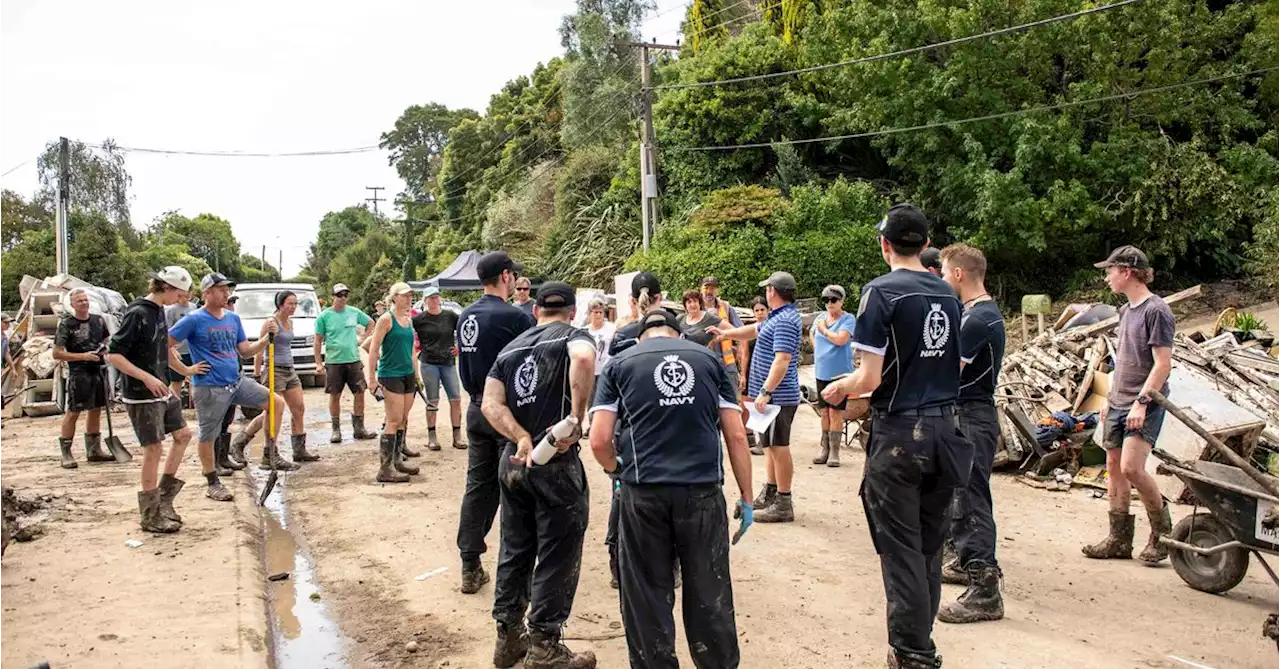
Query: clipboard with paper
{"x":760,"y":421}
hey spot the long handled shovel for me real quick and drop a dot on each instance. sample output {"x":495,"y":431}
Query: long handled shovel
{"x":271,"y":414}
{"x":118,"y":451}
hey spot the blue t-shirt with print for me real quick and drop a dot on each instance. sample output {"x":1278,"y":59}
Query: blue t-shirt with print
{"x":212,"y":340}
{"x":780,"y":333}
{"x":829,"y":360}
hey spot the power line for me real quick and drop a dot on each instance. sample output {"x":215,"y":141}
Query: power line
{"x":988,"y":117}
{"x":242,"y":154}
{"x":15,"y":168}
{"x":725,"y":22}
{"x":904,"y":52}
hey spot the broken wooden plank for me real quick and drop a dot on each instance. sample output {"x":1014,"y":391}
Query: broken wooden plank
{"x":1110,"y":323}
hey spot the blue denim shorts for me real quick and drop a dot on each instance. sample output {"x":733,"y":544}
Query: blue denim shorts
{"x":434,"y":376}
{"x":1116,"y":431}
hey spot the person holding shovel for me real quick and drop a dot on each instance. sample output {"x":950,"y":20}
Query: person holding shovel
{"x":216,"y":336}
{"x":80,"y":342}
{"x":142,"y":350}
{"x":390,"y":367}
{"x":1131,"y":422}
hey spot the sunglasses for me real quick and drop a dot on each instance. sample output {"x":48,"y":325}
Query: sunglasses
{"x":341,"y":294}
{"x":831,"y":300}
{"x":523,"y":289}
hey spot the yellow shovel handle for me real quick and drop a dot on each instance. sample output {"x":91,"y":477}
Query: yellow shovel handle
{"x":271,"y":386}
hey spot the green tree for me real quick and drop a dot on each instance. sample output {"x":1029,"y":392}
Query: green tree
{"x":19,"y":216}
{"x":100,"y":257}
{"x":205,"y":236}
{"x":375,"y":285}
{"x":600,"y":77}
{"x":354,"y":264}
{"x":99,"y":182}
{"x":253,"y":270}
{"x":339,"y":230}
{"x":417,"y":142}
{"x":155,"y":256}
{"x":33,"y":256}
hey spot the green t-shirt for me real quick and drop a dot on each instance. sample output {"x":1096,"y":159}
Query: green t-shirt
{"x":339,"y":331}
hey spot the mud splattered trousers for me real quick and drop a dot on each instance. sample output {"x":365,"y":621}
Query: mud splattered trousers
{"x":915,"y":461}
{"x":480,"y":501}
{"x":544,"y":522}
{"x":691,"y":521}
{"x":973,"y":524}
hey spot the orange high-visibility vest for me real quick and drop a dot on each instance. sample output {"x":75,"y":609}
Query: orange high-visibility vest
{"x":726,"y":346}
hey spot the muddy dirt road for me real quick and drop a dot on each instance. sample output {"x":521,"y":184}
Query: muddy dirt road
{"x":385,"y":571}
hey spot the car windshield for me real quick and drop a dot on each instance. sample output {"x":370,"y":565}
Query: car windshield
{"x":261,"y":304}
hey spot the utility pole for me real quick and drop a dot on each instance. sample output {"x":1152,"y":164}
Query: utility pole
{"x":61,"y":257}
{"x":650,"y":211}
{"x":280,"y":264}
{"x":263,"y":266}
{"x":375,"y":199}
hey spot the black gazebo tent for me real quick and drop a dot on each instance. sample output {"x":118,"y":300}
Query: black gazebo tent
{"x":459,"y":275}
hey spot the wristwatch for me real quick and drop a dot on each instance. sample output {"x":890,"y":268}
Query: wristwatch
{"x":1144,"y":400}
{"x":766,"y":393}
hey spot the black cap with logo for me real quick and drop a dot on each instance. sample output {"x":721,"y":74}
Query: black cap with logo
{"x":1125,"y":256}
{"x":905,"y":224}
{"x":556,"y":295}
{"x":492,"y":265}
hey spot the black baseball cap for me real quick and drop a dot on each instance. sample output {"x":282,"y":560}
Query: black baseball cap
{"x":492,"y":265}
{"x":931,"y":257}
{"x":904,"y":224}
{"x":660,"y":318}
{"x":1125,"y":256}
{"x":780,"y":281}
{"x":556,"y":295}
{"x":645,"y":280}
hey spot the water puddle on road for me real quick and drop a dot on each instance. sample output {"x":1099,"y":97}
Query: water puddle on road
{"x":304,"y":635}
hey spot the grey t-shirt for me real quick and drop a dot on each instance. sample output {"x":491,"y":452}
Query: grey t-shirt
{"x":1142,"y":327}
{"x":174,"y":313}
{"x":697,"y":332}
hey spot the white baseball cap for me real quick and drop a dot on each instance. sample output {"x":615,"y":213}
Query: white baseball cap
{"x":399,"y":288}
{"x":174,"y":276}
{"x":339,"y":288}
{"x":431,"y":290}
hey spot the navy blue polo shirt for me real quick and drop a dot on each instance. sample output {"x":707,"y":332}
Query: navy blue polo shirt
{"x":625,"y":337}
{"x":913,"y":320}
{"x":484,"y":328}
{"x":669,"y":392}
{"x":534,"y":367}
{"x":981,"y":351}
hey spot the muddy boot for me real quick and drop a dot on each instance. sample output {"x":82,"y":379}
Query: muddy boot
{"x":149,"y":509}
{"x":780,"y":511}
{"x":824,"y":449}
{"x":386,"y":455}
{"x":513,"y":643}
{"x":300,"y":453}
{"x":400,"y":465}
{"x":238,"y":446}
{"x":613,"y":568}
{"x":953,"y":574}
{"x":765,"y":499}
{"x":912,"y":661}
{"x":216,"y":491}
{"x":93,"y":449}
{"x":170,"y":486}
{"x":409,"y":452}
{"x":68,"y":458}
{"x":472,"y":579}
{"x":433,"y":442}
{"x":981,"y":601}
{"x":335,"y":436}
{"x":546,"y":652}
{"x":271,"y":459}
{"x":226,"y":459}
{"x":1161,"y":526}
{"x":220,"y":451}
{"x":458,"y":441}
{"x":358,"y":431}
{"x":1119,"y":542}
{"x":834,"y":459}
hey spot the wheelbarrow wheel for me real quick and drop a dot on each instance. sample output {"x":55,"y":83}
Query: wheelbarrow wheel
{"x":1216,"y":573}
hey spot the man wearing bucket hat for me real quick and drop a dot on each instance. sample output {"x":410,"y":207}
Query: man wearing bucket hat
{"x":142,"y":351}
{"x":340,"y":363}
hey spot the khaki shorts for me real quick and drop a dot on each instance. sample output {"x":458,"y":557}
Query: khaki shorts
{"x":286,"y":379}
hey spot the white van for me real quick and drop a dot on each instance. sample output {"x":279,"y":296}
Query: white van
{"x":257,"y":303}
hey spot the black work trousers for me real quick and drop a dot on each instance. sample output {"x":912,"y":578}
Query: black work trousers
{"x":690,"y":521}
{"x":914,"y":464}
{"x":544,"y":522}
{"x":973,"y":524}
{"x":611,"y":532}
{"x":480,"y":501}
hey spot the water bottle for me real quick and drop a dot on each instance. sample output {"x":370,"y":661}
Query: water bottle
{"x":562,"y":430}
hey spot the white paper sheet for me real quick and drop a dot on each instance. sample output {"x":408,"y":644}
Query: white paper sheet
{"x":759,"y":422}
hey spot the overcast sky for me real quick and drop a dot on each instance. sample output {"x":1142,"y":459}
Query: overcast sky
{"x":275,"y":76}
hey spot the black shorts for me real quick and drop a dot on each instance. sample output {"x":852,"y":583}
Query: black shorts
{"x":153,"y":420}
{"x":176,"y":376}
{"x":349,"y":374}
{"x":86,"y":390}
{"x":823,"y":403}
{"x":779,"y":433}
{"x":401,"y":385}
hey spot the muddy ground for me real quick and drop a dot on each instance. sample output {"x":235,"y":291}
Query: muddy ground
{"x":808,"y":594}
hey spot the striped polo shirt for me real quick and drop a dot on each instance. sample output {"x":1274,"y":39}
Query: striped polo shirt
{"x":780,"y":333}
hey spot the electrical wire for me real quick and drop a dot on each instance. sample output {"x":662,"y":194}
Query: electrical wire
{"x":975,"y":119}
{"x":903,"y":52}
{"x":15,"y":168}
{"x":241,"y":154}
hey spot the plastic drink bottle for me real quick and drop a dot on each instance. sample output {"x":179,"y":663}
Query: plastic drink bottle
{"x":562,"y":430}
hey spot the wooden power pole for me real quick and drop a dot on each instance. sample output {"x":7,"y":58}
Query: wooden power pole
{"x":375,"y":199}
{"x":650,"y":211}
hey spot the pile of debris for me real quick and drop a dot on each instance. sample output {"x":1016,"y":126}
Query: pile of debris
{"x":1052,"y":387}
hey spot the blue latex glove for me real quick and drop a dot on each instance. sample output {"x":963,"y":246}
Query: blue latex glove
{"x":745,"y":514}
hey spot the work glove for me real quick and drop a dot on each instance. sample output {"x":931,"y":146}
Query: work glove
{"x":745,"y":515}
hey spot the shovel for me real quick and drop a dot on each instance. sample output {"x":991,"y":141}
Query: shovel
{"x":118,"y":451}
{"x":271,"y":415}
